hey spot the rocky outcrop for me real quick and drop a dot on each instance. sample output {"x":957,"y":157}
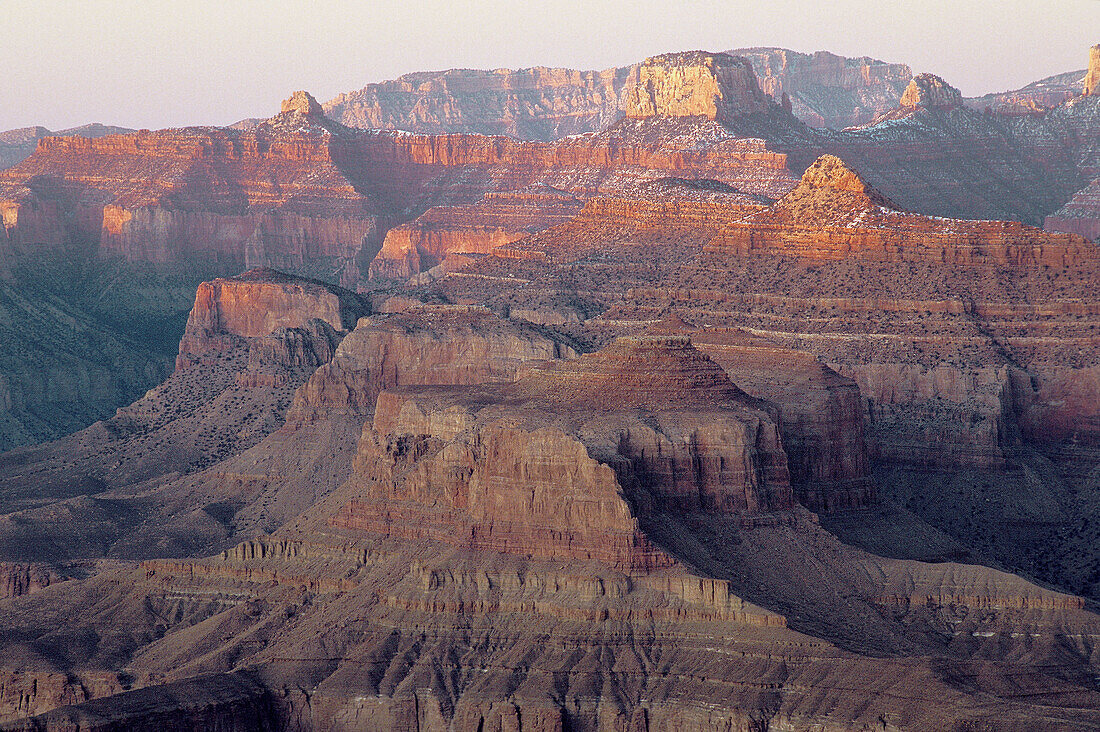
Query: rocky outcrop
{"x":263,"y":301}
{"x":930,"y":91}
{"x":833,"y":213}
{"x":1092,"y":76}
{"x":22,"y":579}
{"x":827,"y":90}
{"x":820,"y":412}
{"x":233,"y":703}
{"x":566,"y":462}
{"x":302,"y":103}
{"x":694,"y":84}
{"x":431,"y":344}
{"x":26,"y":694}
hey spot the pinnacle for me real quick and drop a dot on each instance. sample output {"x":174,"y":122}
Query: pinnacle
{"x":303,"y":103}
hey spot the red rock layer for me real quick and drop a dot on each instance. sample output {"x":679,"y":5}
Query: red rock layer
{"x":833,"y":214}
{"x":568,"y":460}
{"x":432,"y":344}
{"x":258,"y":302}
{"x":496,"y":220}
{"x":299,"y":191}
{"x":820,"y":412}
{"x":275,"y":195}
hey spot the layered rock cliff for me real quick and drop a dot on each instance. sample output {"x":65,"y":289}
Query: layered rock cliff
{"x":1092,"y":76}
{"x":17,"y":145}
{"x":827,"y":90}
{"x":834,"y":213}
{"x":272,"y":196}
{"x":1080,"y":215}
{"x":694,"y":84}
{"x":430,"y":344}
{"x":566,"y":462}
{"x":820,"y":412}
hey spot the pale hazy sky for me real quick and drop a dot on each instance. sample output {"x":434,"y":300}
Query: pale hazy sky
{"x":158,"y":63}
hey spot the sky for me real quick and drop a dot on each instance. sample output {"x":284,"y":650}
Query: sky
{"x":162,"y":63}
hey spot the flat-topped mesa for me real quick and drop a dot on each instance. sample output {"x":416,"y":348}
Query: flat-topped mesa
{"x":695,"y":84}
{"x":1092,"y":78}
{"x":834,"y":214}
{"x":639,"y":371}
{"x":572,"y":459}
{"x":230,"y":312}
{"x":930,"y":91}
{"x":430,"y":344}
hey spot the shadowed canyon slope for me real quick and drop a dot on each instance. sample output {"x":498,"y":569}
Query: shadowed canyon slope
{"x":701,"y":418}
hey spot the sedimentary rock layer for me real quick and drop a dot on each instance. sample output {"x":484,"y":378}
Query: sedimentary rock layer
{"x":430,"y":344}
{"x":833,"y":213}
{"x":566,"y":461}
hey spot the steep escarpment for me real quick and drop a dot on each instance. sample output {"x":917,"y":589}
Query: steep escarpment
{"x":694,"y":84}
{"x":1080,"y":215}
{"x":531,"y":104}
{"x":532,"y":186}
{"x":602,"y":442}
{"x":1092,"y":76}
{"x":260,"y":302}
{"x":820,"y":412}
{"x":271,"y":196}
{"x":827,"y":90}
